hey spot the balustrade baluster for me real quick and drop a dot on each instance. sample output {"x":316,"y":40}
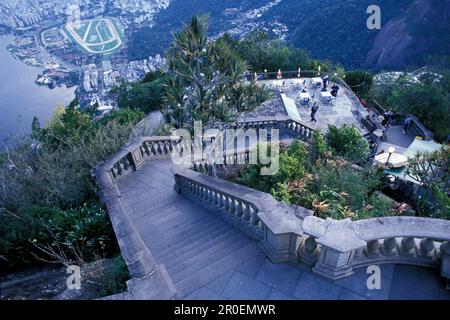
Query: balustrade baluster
{"x":254,"y":220}
{"x":389,"y":246}
{"x":427,"y":246}
{"x":221,"y":201}
{"x":408,"y":245}
{"x":373,"y":247}
{"x":239,"y":209}
{"x":154,"y":148}
{"x":308,"y":252}
{"x":245,"y":212}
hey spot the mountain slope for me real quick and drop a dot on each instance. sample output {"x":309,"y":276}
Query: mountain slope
{"x":330,"y":29}
{"x":424,"y":29}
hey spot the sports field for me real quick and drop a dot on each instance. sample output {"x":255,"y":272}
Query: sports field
{"x":96,"y":36}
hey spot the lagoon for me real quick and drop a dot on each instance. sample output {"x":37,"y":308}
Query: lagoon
{"x":21,"y":99}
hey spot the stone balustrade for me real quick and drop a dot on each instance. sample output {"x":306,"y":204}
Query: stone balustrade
{"x":148,"y":279}
{"x":133,"y":154}
{"x":302,"y":131}
{"x":298,"y":128}
{"x":335,"y":248}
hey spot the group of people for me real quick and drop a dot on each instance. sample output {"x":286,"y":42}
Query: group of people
{"x":334,"y":88}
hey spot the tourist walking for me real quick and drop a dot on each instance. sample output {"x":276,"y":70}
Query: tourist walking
{"x":325,"y":82}
{"x":314,"y":109}
{"x":407,"y":124}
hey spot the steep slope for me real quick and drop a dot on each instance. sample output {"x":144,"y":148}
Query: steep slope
{"x":422,"y":30}
{"x":329,"y":29}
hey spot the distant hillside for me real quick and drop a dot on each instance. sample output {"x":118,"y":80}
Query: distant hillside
{"x":336,"y":30}
{"x":408,"y":38}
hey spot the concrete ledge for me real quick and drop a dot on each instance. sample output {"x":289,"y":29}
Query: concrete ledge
{"x":156,"y":286}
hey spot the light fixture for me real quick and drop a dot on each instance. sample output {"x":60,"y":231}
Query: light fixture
{"x":391,"y":150}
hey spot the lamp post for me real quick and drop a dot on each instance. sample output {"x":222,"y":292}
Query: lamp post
{"x":391,"y":150}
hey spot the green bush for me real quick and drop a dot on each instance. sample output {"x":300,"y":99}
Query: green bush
{"x":144,"y":96}
{"x":359,"y":81}
{"x":115,"y":277}
{"x":430,"y":103}
{"x":329,"y":186}
{"x":291,"y":167}
{"x":347,"y":142}
{"x":68,"y":236}
{"x":47,"y":193}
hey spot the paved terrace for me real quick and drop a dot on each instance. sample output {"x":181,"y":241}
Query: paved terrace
{"x":340,"y":111}
{"x":337,"y":112}
{"x":208,"y":258}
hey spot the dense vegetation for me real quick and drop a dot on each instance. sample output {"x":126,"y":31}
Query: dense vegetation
{"x":313,"y":177}
{"x":145,"y":95}
{"x":428,"y":99}
{"x":332,"y":30}
{"x":205,"y":80}
{"x":347,"y":142}
{"x":431,"y":171}
{"x":48,"y":207}
{"x":264,"y":52}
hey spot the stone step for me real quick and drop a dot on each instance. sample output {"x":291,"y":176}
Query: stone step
{"x":206,"y":260}
{"x":202,"y":245}
{"x":142,"y":210}
{"x":185,"y":215}
{"x":202,"y":258}
{"x":150,"y":224}
{"x":200,"y":278}
{"x":203,"y":230}
{"x":179,"y":213}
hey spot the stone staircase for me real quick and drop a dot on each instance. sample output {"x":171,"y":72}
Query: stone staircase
{"x":195,"y":245}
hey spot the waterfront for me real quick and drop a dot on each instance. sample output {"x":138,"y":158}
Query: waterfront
{"x":21,"y":99}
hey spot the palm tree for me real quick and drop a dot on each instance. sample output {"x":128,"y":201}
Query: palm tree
{"x":206,"y":79}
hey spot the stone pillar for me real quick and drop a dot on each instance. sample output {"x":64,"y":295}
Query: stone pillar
{"x":282,"y":233}
{"x":338,"y":246}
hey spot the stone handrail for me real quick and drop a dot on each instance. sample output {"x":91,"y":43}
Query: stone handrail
{"x":276,"y":225}
{"x":133,"y":154}
{"x":297,"y":127}
{"x":335,"y":248}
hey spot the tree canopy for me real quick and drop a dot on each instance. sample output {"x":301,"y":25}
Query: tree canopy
{"x":205,"y":79}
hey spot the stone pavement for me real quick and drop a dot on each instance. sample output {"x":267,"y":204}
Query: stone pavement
{"x":207,"y":258}
{"x":259,"y":279}
{"x":337,"y":112}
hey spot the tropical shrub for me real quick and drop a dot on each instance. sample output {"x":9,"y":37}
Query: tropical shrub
{"x":347,"y":142}
{"x":38,"y":233}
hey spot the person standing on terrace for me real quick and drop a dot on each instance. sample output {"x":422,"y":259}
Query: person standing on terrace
{"x":407,"y":124}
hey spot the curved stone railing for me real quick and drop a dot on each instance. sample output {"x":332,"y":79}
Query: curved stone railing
{"x":335,"y":248}
{"x":285,"y":232}
{"x":132,"y":155}
{"x":298,"y":128}
{"x":303,"y":131}
{"x":148,"y":280}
